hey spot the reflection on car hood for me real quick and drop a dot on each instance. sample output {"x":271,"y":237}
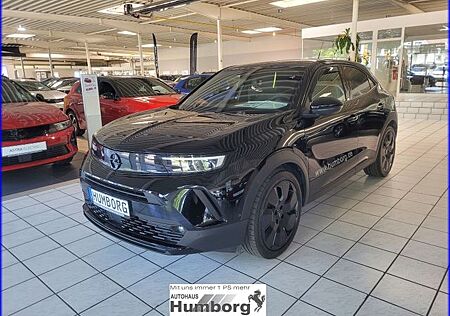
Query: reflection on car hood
{"x":28,"y":114}
{"x":176,"y":131}
{"x":50,"y":94}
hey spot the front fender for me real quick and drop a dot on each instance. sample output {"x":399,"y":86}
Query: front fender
{"x":287,"y":156}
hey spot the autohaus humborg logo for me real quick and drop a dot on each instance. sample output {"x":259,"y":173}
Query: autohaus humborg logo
{"x":217,"y":299}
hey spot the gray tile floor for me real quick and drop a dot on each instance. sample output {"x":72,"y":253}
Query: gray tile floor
{"x":370,"y":247}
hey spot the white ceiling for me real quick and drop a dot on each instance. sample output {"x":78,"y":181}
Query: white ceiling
{"x":65,"y":25}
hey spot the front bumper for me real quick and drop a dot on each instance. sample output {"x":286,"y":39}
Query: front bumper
{"x":61,"y":145}
{"x":163,"y":223}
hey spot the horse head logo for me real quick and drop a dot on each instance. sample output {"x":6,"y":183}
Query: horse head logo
{"x":258,"y":299}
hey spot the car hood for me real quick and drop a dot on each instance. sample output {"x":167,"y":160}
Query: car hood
{"x":28,"y":114}
{"x":50,"y":94}
{"x":175,"y":131}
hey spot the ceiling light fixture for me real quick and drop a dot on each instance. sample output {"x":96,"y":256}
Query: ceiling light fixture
{"x":126,"y":33}
{"x":19,"y":35}
{"x":268,"y":29}
{"x":251,"y":32}
{"x":444,"y":28}
{"x":118,"y":9}
{"x":150,"y":45}
{"x":154,"y":7}
{"x":293,"y":3}
{"x":21,"y":28}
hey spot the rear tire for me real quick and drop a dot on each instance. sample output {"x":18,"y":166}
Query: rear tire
{"x":73,"y":118}
{"x":274,"y":216}
{"x":385,"y":157}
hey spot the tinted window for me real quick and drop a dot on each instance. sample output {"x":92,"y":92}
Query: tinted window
{"x":141,"y":87}
{"x":193,"y":83}
{"x":329,"y":84}
{"x":106,"y":88}
{"x":33,"y":86}
{"x":12,"y":93}
{"x":248,"y":90}
{"x":357,"y":80}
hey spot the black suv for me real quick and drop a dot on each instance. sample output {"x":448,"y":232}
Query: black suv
{"x":234,"y":162}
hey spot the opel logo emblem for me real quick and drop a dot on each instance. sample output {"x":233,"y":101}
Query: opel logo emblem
{"x":115,"y":161}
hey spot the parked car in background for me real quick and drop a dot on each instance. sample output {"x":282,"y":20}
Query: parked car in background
{"x":236,"y":160}
{"x":33,"y":133}
{"x":120,"y":96}
{"x":440,"y":73}
{"x":421,"y":79}
{"x":185,"y":85}
{"x":49,"y":81}
{"x":42,"y":92}
{"x":64,"y":84}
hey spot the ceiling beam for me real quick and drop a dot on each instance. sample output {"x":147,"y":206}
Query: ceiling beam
{"x":228,"y":13}
{"x":408,"y":6}
{"x":110,"y":23}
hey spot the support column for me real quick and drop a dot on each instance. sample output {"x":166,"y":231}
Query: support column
{"x":50,"y":62}
{"x":354,"y":29}
{"x":141,"y":55}
{"x":23,"y":67}
{"x":88,"y":58}
{"x":219,"y":45}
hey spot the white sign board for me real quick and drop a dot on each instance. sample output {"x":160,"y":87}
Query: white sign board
{"x":217,"y":299}
{"x":91,"y":104}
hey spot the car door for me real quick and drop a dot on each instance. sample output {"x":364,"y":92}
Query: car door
{"x":368,"y":104}
{"x":110,"y":105}
{"x":331,"y":140}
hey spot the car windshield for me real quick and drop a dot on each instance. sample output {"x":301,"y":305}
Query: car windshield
{"x":248,"y":90}
{"x":13,"y":93}
{"x":141,"y":87}
{"x":63,"y":83}
{"x":33,"y":86}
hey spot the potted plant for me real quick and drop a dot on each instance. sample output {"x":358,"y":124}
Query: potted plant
{"x":343,"y":43}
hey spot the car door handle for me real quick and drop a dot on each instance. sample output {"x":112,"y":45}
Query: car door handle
{"x":353,"y":118}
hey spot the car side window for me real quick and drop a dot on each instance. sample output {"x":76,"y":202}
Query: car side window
{"x":357,"y":81}
{"x":329,"y":84}
{"x":106,"y":88}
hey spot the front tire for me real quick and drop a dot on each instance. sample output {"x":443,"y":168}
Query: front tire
{"x":386,"y":154}
{"x":274,"y":216}
{"x":73,"y":118}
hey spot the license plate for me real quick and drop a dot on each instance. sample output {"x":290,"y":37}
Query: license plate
{"x":110,"y":203}
{"x":11,"y":151}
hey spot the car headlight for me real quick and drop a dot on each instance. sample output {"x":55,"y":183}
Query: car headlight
{"x":59,"y":126}
{"x":186,"y":163}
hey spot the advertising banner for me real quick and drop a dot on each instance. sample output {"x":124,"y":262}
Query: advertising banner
{"x":217,"y":299}
{"x":193,"y":54}
{"x":155,"y":52}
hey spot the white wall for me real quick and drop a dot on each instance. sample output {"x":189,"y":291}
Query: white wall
{"x":268,"y":48}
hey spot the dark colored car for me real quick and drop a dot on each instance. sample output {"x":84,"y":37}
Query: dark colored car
{"x":417,"y":79}
{"x":120,"y":96}
{"x":33,"y":133}
{"x":185,"y":85}
{"x":235,"y":161}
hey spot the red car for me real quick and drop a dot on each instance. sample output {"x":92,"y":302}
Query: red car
{"x":120,"y":96}
{"x":33,"y":133}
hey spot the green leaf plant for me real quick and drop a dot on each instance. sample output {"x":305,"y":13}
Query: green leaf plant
{"x":343,"y":44}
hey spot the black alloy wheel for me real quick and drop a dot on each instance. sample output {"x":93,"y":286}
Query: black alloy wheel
{"x":280,"y":215}
{"x":76,"y":126}
{"x":386,"y":154}
{"x":275,"y":215}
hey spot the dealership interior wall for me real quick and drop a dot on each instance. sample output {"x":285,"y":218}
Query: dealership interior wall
{"x":368,"y":247}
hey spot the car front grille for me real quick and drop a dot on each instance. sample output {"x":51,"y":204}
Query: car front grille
{"x":51,"y":152}
{"x":139,"y":228}
{"x":24,"y":133}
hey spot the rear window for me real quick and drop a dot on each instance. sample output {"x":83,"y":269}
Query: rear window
{"x":13,"y":93}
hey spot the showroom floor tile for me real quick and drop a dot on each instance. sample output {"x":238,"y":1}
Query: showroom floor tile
{"x":371,"y":247}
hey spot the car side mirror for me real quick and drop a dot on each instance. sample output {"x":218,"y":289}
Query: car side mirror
{"x":325,"y":106}
{"x":40,"y":97}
